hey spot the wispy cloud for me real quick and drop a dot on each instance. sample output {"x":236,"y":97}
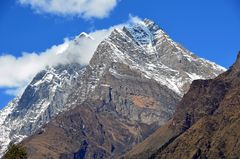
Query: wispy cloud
{"x":17,"y":72}
{"x":82,"y":8}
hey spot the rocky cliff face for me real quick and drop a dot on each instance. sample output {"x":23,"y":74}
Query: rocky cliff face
{"x":130,"y":88}
{"x":205,"y":125}
{"x":43,"y":99}
{"x":141,"y":53}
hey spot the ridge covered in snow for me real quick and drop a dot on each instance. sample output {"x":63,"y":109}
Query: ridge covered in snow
{"x":143,"y":47}
{"x":43,"y":99}
{"x":158,"y":57}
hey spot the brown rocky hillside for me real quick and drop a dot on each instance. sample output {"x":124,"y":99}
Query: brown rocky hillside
{"x":206,"y":124}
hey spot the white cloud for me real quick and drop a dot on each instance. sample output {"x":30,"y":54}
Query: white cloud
{"x":17,"y":72}
{"x":135,"y":19}
{"x":83,"y":8}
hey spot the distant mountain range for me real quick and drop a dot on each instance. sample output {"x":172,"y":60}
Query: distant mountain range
{"x":131,"y":87}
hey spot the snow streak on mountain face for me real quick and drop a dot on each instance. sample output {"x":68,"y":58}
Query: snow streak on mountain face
{"x":160,"y":58}
{"x":140,"y":51}
{"x":42,"y":100}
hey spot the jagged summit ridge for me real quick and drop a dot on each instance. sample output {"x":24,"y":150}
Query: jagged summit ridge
{"x":153,"y":50}
{"x":134,"y":64}
{"x":85,"y":35}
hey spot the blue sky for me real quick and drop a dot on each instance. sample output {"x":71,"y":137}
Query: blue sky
{"x":209,"y":28}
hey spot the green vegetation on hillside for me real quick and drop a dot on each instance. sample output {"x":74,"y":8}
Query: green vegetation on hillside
{"x":15,"y":152}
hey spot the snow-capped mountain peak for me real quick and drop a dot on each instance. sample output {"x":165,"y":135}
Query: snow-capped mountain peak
{"x":141,"y":52}
{"x":85,"y":35}
{"x":150,"y":50}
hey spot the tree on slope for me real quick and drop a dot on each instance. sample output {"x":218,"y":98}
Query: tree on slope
{"x":15,"y":152}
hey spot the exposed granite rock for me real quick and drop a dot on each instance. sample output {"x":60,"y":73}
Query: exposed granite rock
{"x":130,"y":88}
{"x":42,"y":100}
